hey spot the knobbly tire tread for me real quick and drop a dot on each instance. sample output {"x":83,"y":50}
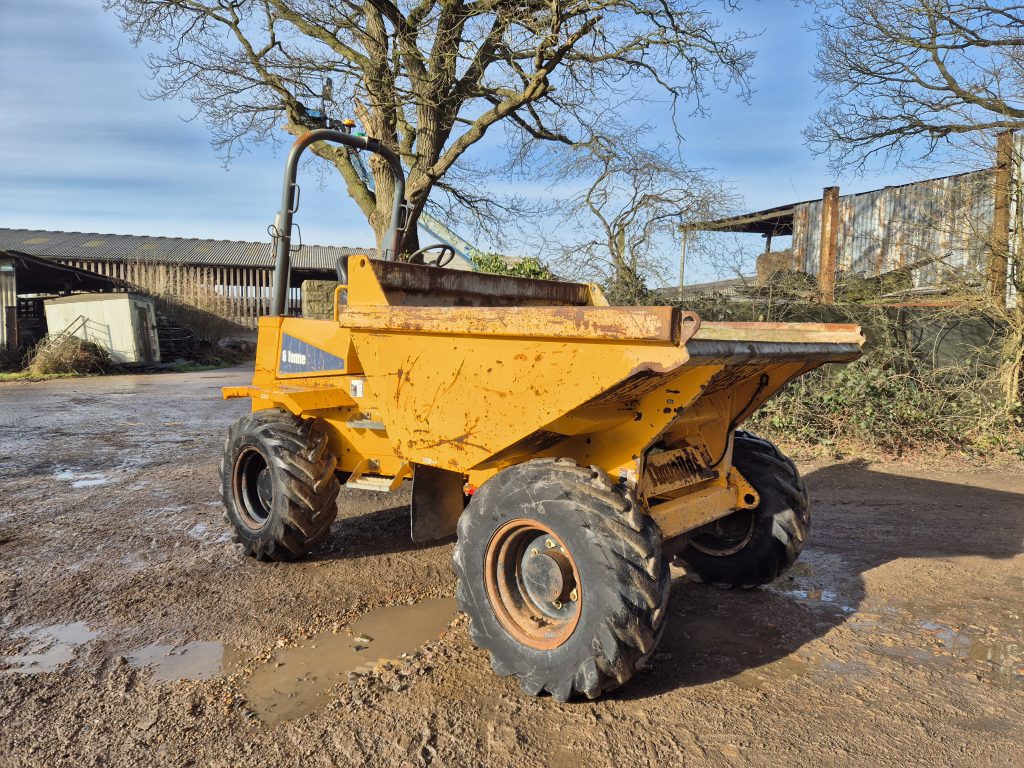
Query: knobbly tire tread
{"x":305,"y":486}
{"x":781,"y":526}
{"x":624,"y":578}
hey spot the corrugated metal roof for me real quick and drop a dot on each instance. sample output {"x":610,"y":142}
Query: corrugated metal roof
{"x":773,"y":221}
{"x":88,"y":246}
{"x":780,"y":219}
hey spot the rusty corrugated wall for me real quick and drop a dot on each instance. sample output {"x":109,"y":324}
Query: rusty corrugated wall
{"x":936,"y":228}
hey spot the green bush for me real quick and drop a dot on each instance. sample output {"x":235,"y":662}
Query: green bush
{"x":894,"y":402}
{"x":929,"y":378}
{"x":496,"y":264}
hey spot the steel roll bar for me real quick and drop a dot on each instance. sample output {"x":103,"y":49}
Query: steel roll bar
{"x":282,"y":229}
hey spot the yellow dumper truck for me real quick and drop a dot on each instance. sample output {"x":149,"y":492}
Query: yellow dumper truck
{"x":572,"y":447}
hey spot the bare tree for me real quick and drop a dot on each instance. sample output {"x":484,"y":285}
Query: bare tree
{"x":904,"y":78}
{"x":430,"y":78}
{"x":911,"y":76}
{"x":634,"y":202}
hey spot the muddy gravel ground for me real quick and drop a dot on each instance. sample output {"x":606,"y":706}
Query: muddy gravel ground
{"x":133,"y":631}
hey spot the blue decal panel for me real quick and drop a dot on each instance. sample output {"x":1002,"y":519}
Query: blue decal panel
{"x":299,"y":357}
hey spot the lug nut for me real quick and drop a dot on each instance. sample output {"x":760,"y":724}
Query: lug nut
{"x":534,"y":551}
{"x":549,"y":544}
{"x":574,"y":595}
{"x":557,"y":604}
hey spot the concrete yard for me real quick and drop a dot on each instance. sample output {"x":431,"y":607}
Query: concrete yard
{"x":133,"y":632}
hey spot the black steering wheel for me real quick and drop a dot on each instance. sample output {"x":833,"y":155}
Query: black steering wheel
{"x":444,"y":258}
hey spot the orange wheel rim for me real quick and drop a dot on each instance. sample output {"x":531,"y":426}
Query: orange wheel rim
{"x":533,"y":584}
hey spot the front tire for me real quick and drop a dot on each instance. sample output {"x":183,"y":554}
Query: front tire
{"x":278,"y":484}
{"x":562,"y":578}
{"x":752,"y":547}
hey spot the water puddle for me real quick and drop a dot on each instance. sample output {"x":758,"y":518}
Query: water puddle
{"x":1006,"y":659}
{"x":824,"y":597}
{"x":769,"y":675}
{"x":81,"y":479}
{"x":191,"y":661}
{"x":47,"y":648}
{"x":815,"y":582}
{"x":1001,"y":661}
{"x":296,"y":680}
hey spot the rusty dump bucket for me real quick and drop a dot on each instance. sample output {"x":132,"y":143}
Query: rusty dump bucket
{"x":470,"y":385}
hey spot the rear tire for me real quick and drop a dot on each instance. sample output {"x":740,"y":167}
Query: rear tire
{"x":752,"y":547}
{"x":562,"y":578}
{"x":278,"y":484}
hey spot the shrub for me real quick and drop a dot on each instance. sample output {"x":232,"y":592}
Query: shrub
{"x":890,"y":401}
{"x":496,"y":264}
{"x":929,"y":380}
{"x":68,"y":354}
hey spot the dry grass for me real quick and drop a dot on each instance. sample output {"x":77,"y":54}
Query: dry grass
{"x":68,"y":355}
{"x":185,"y":295}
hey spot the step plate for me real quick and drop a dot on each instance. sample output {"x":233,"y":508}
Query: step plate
{"x":365,"y":483}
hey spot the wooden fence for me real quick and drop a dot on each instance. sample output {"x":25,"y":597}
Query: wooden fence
{"x":238,"y":294}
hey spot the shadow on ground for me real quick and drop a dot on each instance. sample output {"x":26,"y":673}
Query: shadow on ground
{"x":382,"y":532}
{"x":861,"y":519}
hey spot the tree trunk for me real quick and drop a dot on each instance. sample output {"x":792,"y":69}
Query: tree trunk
{"x":1013,"y":360}
{"x":382,"y":225}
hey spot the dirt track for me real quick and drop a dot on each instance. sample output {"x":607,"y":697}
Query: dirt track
{"x":898,"y":640}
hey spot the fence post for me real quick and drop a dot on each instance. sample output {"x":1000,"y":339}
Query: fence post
{"x":997,"y":260}
{"x":829,"y":244}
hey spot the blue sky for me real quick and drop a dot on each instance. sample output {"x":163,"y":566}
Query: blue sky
{"x":82,"y":150}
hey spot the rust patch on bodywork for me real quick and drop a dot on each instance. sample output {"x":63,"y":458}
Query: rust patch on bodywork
{"x":416,"y":285}
{"x":677,"y":468}
{"x":607,"y":324}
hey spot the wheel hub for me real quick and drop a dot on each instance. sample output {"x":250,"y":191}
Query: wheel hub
{"x":265,"y":487}
{"x":726,"y":536}
{"x":547,"y":576}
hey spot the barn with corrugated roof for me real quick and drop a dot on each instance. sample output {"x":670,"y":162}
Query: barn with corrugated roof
{"x":239,"y":272}
{"x":231,"y":279}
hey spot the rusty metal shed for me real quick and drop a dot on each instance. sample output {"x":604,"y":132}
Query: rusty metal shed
{"x":965,"y":227}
